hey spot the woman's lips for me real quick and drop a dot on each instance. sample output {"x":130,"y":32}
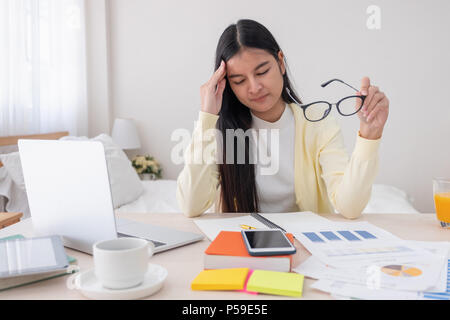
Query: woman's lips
{"x":261,"y":99}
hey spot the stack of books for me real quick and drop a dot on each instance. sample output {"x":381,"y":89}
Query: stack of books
{"x":228,"y":250}
{"x":25,"y":279}
{"x":229,"y":266}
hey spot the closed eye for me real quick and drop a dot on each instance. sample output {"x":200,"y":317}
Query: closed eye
{"x":258,"y":74}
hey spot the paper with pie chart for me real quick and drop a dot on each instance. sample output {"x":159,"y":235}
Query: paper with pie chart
{"x":416,"y":274}
{"x":398,"y":270}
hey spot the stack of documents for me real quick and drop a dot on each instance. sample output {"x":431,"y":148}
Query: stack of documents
{"x":357,"y":259}
{"x":360,"y":260}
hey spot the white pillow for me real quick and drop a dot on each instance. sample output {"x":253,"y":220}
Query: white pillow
{"x":13,"y":167}
{"x":12,"y":185}
{"x":123,"y":178}
{"x":389,"y":199}
{"x":13,"y":198}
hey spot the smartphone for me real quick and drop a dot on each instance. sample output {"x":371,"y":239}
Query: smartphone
{"x":267,"y":242}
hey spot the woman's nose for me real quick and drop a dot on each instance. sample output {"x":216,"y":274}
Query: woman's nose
{"x":254,"y":86}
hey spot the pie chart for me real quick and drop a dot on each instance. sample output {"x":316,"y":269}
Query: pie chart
{"x":397,"y":270}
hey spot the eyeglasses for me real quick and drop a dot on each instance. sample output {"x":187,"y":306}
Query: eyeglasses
{"x":316,"y":111}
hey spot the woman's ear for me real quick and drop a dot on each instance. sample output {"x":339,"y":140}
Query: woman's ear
{"x":281,"y":62}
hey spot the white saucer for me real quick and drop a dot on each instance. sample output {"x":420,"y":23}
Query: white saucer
{"x":91,"y":287}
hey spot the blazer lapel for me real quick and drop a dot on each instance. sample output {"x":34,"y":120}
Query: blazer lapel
{"x":305,"y":178}
{"x":297,"y":155}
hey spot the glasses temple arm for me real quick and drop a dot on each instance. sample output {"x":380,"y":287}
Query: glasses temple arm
{"x":323,"y":85}
{"x":289,"y":93}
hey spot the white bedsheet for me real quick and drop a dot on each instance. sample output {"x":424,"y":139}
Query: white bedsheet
{"x":160,"y":197}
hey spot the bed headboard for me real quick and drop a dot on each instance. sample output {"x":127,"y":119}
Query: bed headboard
{"x":12,"y":140}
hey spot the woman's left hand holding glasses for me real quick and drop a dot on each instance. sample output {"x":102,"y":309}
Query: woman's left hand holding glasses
{"x":375,"y":110}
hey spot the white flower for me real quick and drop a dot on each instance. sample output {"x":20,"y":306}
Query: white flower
{"x":141,"y":160}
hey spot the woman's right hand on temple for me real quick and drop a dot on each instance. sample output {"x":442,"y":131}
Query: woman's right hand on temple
{"x":211,"y":92}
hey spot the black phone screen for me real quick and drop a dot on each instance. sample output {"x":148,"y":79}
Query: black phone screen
{"x":267,"y":239}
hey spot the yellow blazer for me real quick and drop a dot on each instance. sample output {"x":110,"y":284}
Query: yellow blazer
{"x":326,"y":179}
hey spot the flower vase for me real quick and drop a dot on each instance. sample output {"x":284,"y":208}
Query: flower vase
{"x":147,"y":176}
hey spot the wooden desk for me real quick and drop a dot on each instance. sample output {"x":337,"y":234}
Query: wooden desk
{"x":9,"y":218}
{"x":186,"y":262}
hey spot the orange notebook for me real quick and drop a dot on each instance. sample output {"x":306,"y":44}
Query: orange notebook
{"x":228,"y":250}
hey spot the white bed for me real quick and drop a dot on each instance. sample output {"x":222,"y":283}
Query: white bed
{"x":159,"y":196}
{"x":132,"y":195}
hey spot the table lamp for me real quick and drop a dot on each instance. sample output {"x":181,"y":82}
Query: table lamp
{"x":125,"y":134}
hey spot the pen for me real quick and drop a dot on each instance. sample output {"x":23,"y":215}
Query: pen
{"x":246,"y":227}
{"x":266,"y":221}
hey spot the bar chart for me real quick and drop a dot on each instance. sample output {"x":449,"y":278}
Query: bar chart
{"x":339,"y":235}
{"x":441,"y":295}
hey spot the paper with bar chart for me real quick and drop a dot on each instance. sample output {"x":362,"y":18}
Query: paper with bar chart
{"x":445,"y":295}
{"x":354,"y":244}
{"x":351,"y":290}
{"x":418,"y":274}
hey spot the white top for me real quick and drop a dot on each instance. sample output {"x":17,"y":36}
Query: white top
{"x":275,"y":175}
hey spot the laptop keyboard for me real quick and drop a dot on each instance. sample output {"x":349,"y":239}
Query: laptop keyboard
{"x":156,"y":243}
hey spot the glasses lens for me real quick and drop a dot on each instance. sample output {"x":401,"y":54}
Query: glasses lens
{"x":350,"y":105}
{"x":317,"y":111}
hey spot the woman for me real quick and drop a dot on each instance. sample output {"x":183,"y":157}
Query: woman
{"x":250,"y":89}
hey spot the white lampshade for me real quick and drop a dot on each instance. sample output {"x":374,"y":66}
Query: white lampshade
{"x":125,"y":134}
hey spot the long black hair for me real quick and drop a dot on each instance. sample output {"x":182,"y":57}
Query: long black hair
{"x":238,"y":186}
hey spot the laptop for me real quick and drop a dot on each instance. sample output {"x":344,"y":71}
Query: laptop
{"x":69,"y":195}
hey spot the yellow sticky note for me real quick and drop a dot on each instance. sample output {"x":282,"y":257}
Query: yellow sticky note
{"x":278,"y":283}
{"x":220,"y":279}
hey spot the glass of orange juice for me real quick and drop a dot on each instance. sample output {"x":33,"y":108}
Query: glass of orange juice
{"x":441,"y":193}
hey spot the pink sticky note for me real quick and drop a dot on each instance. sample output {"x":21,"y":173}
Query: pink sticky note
{"x":250,"y":271}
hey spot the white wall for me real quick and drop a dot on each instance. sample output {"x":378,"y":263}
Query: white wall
{"x":162,"y":51}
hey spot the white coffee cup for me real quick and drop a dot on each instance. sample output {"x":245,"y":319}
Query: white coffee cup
{"x":122,"y":263}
